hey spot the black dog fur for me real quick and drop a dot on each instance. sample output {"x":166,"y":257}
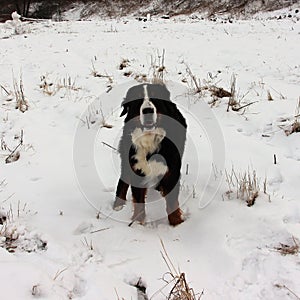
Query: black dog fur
{"x":168,"y":153}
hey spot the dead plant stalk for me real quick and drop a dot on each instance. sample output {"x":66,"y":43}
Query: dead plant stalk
{"x":181,"y":289}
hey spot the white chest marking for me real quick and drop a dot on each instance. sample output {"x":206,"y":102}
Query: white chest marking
{"x":147,"y":142}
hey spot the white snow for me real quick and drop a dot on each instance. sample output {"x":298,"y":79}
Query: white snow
{"x":60,"y":191}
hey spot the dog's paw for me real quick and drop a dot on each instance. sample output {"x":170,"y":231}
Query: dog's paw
{"x":118,"y":204}
{"x":139,"y":217}
{"x":139,"y":213}
{"x":175,"y":218}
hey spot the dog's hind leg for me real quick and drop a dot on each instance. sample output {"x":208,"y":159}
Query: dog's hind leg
{"x":172,"y":205}
{"x":139,"y":195}
{"x":121,"y":192}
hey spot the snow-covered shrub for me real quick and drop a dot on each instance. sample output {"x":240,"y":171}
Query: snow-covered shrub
{"x":16,"y":24}
{"x":15,"y":236}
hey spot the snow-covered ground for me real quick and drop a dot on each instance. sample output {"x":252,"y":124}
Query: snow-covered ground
{"x":62,"y":240}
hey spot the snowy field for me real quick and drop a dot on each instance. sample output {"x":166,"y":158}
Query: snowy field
{"x":61,"y":238}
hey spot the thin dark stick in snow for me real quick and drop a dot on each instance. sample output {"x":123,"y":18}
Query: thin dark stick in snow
{"x":5,"y":90}
{"x":8,"y":158}
{"x":163,"y":65}
{"x":98,"y":230}
{"x":281,"y":96}
{"x":239,"y":108}
{"x":291,"y":292}
{"x":275,"y":159}
{"x":280,"y":286}
{"x":109,"y":88}
{"x":18,"y":208}
{"x":202,"y":293}
{"x":105,"y":144}
{"x":8,"y":198}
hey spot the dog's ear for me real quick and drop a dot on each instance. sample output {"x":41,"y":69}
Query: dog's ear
{"x":125,"y":110}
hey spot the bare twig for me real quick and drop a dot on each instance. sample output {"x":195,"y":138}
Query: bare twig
{"x":14,"y":155}
{"x":167,"y":259}
{"x":105,"y":144}
{"x":288,"y":249}
{"x":197,"y":84}
{"x":9,"y":197}
{"x":21,"y":102}
{"x":280,"y":286}
{"x":232,"y":101}
{"x":58,"y":273}
{"x":5,"y":90}
{"x":281,"y":96}
{"x":98,"y":230}
{"x":181,"y":289}
{"x":241,"y":107}
{"x":270,"y":98}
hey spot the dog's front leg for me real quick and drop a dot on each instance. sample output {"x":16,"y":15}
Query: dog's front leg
{"x":121,"y":192}
{"x":138,"y":195}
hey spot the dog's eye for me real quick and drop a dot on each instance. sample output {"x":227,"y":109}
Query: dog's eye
{"x":148,"y":110}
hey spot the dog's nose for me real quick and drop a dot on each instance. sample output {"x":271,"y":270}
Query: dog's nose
{"x":148,"y":110}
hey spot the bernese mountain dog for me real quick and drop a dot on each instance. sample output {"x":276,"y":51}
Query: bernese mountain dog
{"x":151,"y":149}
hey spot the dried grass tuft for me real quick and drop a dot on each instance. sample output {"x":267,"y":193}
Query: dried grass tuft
{"x":291,"y":249}
{"x":180,"y":288}
{"x":51,"y":88}
{"x":245,"y":186}
{"x":21,"y":102}
{"x":124,"y":63}
{"x":295,"y":126}
{"x":158,"y":68}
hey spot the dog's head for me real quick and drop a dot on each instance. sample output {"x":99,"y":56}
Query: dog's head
{"x":145,"y":103}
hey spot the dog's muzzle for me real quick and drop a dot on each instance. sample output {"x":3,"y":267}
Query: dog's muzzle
{"x":148,"y":114}
{"x":148,"y":118}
